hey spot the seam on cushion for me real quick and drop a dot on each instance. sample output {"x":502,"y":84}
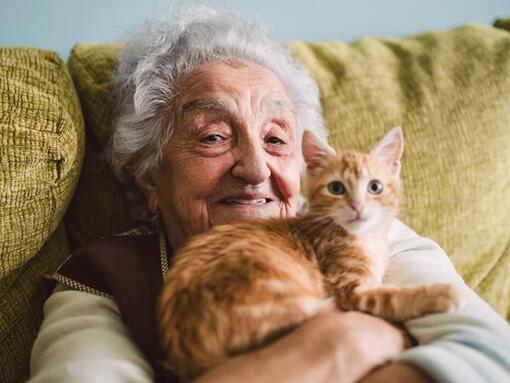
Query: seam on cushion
{"x":77,"y":285}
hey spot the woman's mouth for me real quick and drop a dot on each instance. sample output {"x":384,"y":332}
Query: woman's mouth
{"x":235,"y":208}
{"x":247,"y":202}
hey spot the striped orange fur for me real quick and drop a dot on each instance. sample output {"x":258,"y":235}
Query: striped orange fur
{"x":237,"y":287}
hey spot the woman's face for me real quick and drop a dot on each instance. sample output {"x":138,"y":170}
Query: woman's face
{"x":233,"y":155}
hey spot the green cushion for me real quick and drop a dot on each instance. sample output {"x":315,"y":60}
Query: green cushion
{"x":450,"y":92}
{"x":98,"y":208}
{"x":41,"y":148}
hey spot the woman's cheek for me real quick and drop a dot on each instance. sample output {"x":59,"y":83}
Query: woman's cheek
{"x":286,"y":175}
{"x":206,"y":173}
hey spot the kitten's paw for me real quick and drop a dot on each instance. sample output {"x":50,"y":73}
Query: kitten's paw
{"x":444,"y":297}
{"x":460,"y":298}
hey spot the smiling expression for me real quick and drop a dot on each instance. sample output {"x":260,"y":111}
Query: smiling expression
{"x":233,"y":154}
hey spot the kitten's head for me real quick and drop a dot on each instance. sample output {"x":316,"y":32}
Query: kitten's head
{"x":360,"y":190}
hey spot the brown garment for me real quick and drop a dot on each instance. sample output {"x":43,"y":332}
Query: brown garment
{"x":130,"y":270}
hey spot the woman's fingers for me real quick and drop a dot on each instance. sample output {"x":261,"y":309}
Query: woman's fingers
{"x":358,"y":342}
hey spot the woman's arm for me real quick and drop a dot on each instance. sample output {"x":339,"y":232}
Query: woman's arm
{"x":471,"y":344}
{"x":82,"y":339}
{"x":332,"y":347}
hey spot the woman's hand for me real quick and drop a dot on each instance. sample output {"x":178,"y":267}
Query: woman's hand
{"x":361,"y":342}
{"x":397,"y":373}
{"x":331,"y":347}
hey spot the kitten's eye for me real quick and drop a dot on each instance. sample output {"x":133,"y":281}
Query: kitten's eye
{"x":336,"y":188}
{"x":375,"y":187}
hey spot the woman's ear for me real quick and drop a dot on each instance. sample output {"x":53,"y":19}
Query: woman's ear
{"x":315,"y":151}
{"x":148,"y":187}
{"x":389,"y":150}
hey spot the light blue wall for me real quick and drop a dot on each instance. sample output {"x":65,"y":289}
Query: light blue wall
{"x":58,"y":24}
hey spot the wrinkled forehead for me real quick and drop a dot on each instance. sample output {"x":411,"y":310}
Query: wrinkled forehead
{"x":225,"y":84}
{"x":210,"y":101}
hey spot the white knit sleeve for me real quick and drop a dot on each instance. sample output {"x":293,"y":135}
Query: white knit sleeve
{"x":82,"y":339}
{"x":469,"y":345}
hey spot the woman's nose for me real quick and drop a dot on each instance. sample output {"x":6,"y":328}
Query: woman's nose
{"x":251,"y":164}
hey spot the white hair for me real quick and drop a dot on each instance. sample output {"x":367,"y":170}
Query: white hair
{"x":152,"y":60}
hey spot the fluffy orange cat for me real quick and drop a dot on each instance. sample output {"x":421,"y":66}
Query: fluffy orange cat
{"x":236,"y":287}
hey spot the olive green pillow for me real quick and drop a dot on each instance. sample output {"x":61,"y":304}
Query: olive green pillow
{"x":41,"y":148}
{"x":98,"y":207}
{"x":450,"y":92}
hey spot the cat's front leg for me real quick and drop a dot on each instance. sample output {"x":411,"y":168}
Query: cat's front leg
{"x":346,"y":274}
{"x":400,"y":303}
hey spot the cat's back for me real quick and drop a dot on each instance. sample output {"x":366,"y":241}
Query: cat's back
{"x":222,"y":239}
{"x":246,"y":251}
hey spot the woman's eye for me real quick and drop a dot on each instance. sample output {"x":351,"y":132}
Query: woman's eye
{"x":336,"y":188}
{"x":212,"y":139}
{"x":375,"y":187}
{"x":275,"y":140}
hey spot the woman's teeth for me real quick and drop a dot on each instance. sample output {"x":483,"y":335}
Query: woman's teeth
{"x":259,"y":201}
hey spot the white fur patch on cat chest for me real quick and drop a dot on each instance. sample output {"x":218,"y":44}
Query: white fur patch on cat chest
{"x":378,"y":254}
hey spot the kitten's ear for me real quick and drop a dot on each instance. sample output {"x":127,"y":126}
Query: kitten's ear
{"x":315,"y":150}
{"x":389,"y":150}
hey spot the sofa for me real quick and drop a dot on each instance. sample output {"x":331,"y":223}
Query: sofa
{"x":448,"y":89}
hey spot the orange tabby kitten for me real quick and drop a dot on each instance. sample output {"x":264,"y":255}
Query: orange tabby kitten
{"x":236,"y":287}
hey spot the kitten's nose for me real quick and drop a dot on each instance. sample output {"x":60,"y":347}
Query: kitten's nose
{"x":357,"y":207}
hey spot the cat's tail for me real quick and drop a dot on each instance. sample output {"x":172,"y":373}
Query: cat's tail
{"x":400,"y":303}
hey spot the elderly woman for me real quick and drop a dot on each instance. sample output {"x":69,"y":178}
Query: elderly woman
{"x":211,"y":115}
